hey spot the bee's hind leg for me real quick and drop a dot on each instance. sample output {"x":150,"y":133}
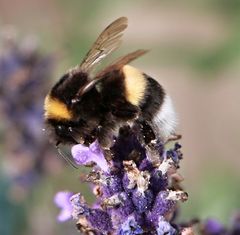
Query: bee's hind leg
{"x":149,"y":139}
{"x":145,"y":132}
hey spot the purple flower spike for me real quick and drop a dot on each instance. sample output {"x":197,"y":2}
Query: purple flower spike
{"x":84,"y":155}
{"x":135,"y":192}
{"x":62,"y":200}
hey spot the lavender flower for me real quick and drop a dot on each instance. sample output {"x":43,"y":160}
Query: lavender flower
{"x":135,"y":191}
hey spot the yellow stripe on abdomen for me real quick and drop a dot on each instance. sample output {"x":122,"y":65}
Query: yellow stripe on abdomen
{"x":135,"y":84}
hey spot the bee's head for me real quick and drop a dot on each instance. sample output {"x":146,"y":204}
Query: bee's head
{"x":70,"y":119}
{"x":73,"y":124}
{"x":69,"y":132}
{"x":58,"y":120}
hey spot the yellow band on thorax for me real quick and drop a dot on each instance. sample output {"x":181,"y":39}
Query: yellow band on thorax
{"x":56,"y":109}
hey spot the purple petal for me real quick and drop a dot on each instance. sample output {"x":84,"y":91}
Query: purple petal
{"x":62,"y":200}
{"x":84,"y":155}
{"x":64,"y":215}
{"x":95,"y":147}
{"x":81,"y":154}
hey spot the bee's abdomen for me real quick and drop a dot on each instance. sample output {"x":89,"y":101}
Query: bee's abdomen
{"x":158,"y":109}
{"x":153,"y":98}
{"x":143,"y":92}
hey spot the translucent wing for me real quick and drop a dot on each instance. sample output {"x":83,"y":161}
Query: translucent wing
{"x":120,"y":62}
{"x":107,"y":41}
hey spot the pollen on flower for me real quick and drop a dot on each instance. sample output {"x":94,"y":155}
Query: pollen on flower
{"x":177,"y":196}
{"x":166,"y":166}
{"x":136,"y":177}
{"x":114,"y":200}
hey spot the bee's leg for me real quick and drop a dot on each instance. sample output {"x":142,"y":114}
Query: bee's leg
{"x":106,"y":140}
{"x":145,"y":131}
{"x":148,"y":138}
{"x":106,"y":147}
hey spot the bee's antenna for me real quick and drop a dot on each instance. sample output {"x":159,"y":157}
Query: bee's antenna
{"x":67,"y":157}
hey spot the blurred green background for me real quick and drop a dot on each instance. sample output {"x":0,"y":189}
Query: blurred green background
{"x":195,"y":55}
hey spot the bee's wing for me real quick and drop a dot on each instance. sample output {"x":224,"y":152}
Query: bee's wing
{"x":118,"y":64}
{"x":107,"y":41}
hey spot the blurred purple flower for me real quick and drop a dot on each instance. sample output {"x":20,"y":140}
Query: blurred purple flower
{"x":213,"y":226}
{"x":62,"y":200}
{"x":25,"y":75}
{"x":235,"y":230}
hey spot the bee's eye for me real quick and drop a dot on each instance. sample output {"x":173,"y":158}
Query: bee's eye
{"x":61,"y":129}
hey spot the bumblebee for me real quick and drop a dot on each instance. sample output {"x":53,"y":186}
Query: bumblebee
{"x":81,"y":108}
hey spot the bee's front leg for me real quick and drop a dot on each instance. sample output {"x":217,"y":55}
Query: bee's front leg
{"x":105,"y":138}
